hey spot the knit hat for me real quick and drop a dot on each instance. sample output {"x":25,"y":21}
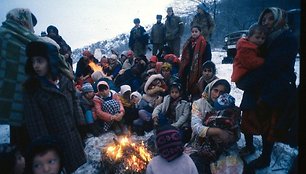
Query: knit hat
{"x":169,"y":142}
{"x":102,"y":83}
{"x":153,"y":59}
{"x":137,"y":94}
{"x":87,"y":87}
{"x":136,"y":21}
{"x":151,"y":79}
{"x":159,"y":16}
{"x":224,"y":101}
{"x":52,"y":29}
{"x":203,"y":7}
{"x":124,"y":88}
{"x":166,"y":66}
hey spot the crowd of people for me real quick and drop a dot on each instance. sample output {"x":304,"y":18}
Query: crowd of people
{"x":52,"y":110}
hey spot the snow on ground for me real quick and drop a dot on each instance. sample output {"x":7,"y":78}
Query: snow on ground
{"x":282,"y":155}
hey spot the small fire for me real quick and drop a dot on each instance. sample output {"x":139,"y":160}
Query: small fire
{"x":94,"y":66}
{"x":134,"y":156}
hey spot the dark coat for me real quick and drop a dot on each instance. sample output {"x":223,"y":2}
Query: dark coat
{"x":56,"y":112}
{"x":158,"y":33}
{"x":174,"y":27}
{"x":278,"y":68}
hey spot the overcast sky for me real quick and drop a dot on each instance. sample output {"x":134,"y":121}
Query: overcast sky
{"x":82,"y":22}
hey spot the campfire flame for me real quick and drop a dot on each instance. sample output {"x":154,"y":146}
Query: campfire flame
{"x":94,"y":66}
{"x":134,"y":156}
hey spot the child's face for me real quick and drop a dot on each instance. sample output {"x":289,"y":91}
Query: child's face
{"x":48,"y":163}
{"x":104,"y":92}
{"x":134,"y":99}
{"x":207,"y":73}
{"x":166,"y":73}
{"x":89,"y":95}
{"x":257,"y":38}
{"x":174,"y":93}
{"x":216,"y":92}
{"x":20,"y":164}
{"x":40,"y":65}
{"x":195,"y":33}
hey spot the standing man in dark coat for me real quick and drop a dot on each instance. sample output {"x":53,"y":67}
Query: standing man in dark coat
{"x":138,"y":39}
{"x":65,"y":49}
{"x":204,"y":20}
{"x":158,"y":35}
{"x":174,"y":30}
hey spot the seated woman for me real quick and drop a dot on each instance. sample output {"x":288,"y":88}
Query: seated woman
{"x":201,"y":130}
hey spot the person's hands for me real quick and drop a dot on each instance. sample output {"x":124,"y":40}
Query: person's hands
{"x":117,"y":117}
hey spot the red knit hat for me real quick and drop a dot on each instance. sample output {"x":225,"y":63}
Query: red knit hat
{"x":153,"y":59}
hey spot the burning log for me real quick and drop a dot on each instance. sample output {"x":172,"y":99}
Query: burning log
{"x":125,"y":156}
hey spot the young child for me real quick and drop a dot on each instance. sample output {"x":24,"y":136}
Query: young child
{"x":175,"y":111}
{"x":152,"y":97}
{"x":208,"y":75}
{"x":52,"y":106}
{"x":248,"y":58}
{"x":109,"y":108}
{"x":87,"y":105}
{"x":11,"y":160}
{"x":45,"y":156}
{"x":224,"y":115}
{"x":171,"y":158}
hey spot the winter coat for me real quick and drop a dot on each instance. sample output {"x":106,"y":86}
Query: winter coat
{"x":246,"y":59}
{"x":105,"y":116}
{"x":56,"y":112}
{"x":181,"y":165}
{"x":13,"y":40}
{"x":191,"y":62}
{"x":138,"y":40}
{"x":174,"y":27}
{"x":205,"y":22}
{"x":182,"y":111}
{"x":158,"y":33}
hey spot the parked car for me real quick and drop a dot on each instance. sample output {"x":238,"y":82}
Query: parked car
{"x":230,"y":41}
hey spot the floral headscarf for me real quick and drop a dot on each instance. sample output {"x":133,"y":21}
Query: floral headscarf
{"x":279,"y":17}
{"x":23,"y":17}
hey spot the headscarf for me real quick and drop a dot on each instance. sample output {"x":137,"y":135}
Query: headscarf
{"x":280,"y":23}
{"x":22,"y":16}
{"x":207,"y":91}
{"x":280,"y":16}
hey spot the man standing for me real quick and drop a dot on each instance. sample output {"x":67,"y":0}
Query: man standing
{"x":138,"y":39}
{"x":204,"y":20}
{"x":174,"y":31}
{"x":158,"y":35}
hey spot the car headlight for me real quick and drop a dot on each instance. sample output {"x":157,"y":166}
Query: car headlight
{"x":225,"y":39}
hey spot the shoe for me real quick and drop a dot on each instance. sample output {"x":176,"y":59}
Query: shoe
{"x":259,"y":163}
{"x":247,"y":151}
